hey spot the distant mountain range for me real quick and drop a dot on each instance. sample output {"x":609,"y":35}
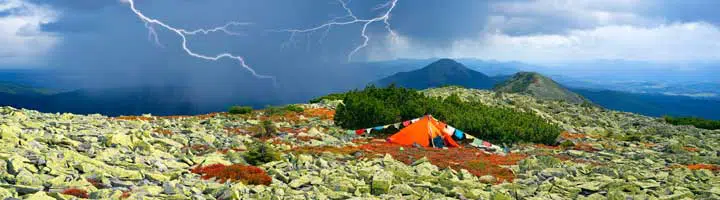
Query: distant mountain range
{"x":20,"y":89}
{"x":448,"y":72}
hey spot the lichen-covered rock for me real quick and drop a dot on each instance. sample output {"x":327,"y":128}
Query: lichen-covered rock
{"x":381,"y":183}
{"x":614,"y":155}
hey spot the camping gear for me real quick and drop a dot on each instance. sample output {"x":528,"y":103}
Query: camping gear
{"x":458,"y":134}
{"x":477,"y":143}
{"x":422,"y":132}
{"x":438,"y":142}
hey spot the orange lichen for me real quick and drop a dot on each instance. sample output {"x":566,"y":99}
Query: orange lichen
{"x":570,"y":136}
{"x":134,"y":118}
{"x":704,"y":166}
{"x":79,"y":193}
{"x":691,"y":149}
{"x":648,"y":144}
{"x":584,"y":147}
{"x":225,"y":151}
{"x":543,"y":146}
{"x":201,"y":117}
{"x":163,"y":131}
{"x":223,"y":173}
{"x":322,"y":113}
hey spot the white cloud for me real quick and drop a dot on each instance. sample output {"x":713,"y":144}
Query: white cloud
{"x":665,"y":43}
{"x":543,"y":16}
{"x":21,"y":38}
{"x":678,"y":42}
{"x":551,"y":31}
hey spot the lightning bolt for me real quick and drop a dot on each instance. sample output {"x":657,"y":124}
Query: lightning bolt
{"x":351,"y":18}
{"x":150,"y":23}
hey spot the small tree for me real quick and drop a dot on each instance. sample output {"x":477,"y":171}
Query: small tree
{"x":268,"y":129}
{"x":240,"y":110}
{"x":260,"y":153}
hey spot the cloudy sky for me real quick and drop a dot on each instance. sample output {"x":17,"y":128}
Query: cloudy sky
{"x":106,"y":37}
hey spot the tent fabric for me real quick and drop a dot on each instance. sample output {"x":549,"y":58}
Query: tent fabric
{"x":422,"y":132}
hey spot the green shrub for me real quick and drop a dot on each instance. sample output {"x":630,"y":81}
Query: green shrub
{"x":694,"y":121}
{"x":335,"y":96}
{"x":276,"y":110}
{"x":294,"y":108}
{"x":260,"y":153}
{"x":567,"y":144}
{"x":240,"y":110}
{"x":378,"y":106}
{"x":268,"y":129}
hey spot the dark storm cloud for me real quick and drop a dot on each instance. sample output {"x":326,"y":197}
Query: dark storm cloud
{"x":440,"y":22}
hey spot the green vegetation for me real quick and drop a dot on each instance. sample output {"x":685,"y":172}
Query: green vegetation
{"x":260,"y":153}
{"x":335,"y":96}
{"x":294,"y":108}
{"x":695,"y":121}
{"x":280,"y":110}
{"x":240,"y":110}
{"x":541,"y":87}
{"x":376,"y":106}
{"x":268,"y":129}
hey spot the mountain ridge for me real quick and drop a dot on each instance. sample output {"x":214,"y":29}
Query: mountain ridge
{"x":439,"y":73}
{"x":539,"y":86}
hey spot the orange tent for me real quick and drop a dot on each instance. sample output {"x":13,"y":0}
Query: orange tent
{"x":421,"y":132}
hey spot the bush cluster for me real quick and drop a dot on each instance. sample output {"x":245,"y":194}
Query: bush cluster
{"x":335,"y":96}
{"x":240,"y":110}
{"x":260,"y":153}
{"x":378,"y":106}
{"x":277,"y":110}
{"x":694,"y":121}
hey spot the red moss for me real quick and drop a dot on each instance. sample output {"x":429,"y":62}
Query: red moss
{"x":223,"y":173}
{"x":465,"y":158}
{"x":79,"y":193}
{"x":584,"y":147}
{"x":96,"y":183}
{"x":704,"y":166}
{"x":317,"y":150}
{"x":125,"y":194}
{"x":691,"y":149}
{"x":474,"y":160}
{"x":307,"y":138}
